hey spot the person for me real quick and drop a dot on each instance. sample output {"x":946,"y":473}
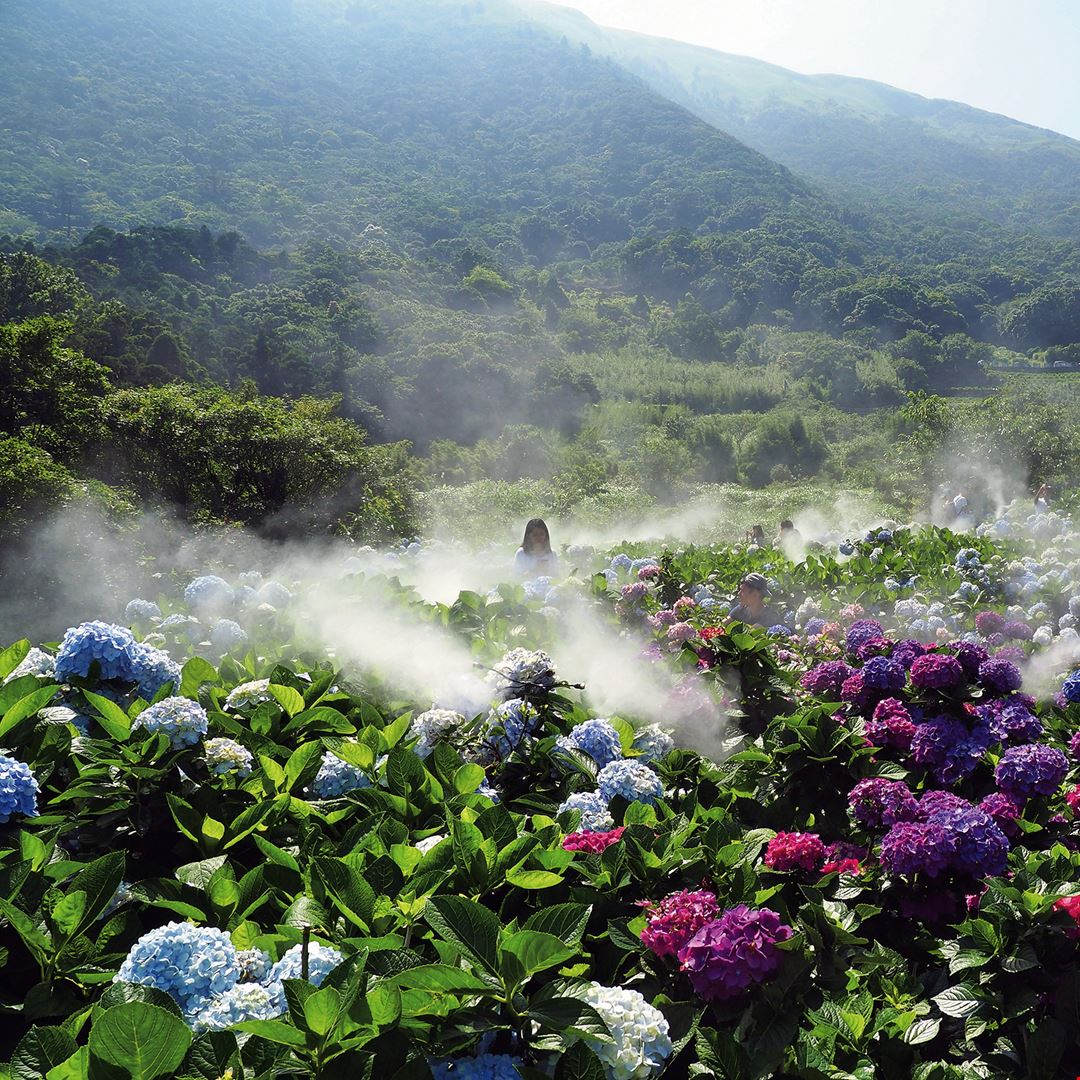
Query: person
{"x":751,"y":607}
{"x":756,"y":535}
{"x":1042,"y":497}
{"x":788,"y":539}
{"x":535,"y":557}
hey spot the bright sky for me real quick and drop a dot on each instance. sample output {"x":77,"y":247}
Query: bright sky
{"x":1017,"y":57}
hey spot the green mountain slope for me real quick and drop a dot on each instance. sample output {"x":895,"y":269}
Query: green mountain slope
{"x":862,"y":141}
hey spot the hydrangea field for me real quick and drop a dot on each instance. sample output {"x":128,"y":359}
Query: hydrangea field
{"x":228,"y":850}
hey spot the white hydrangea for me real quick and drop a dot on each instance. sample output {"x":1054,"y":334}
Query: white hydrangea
{"x":249,"y":694}
{"x":523,"y":673}
{"x":35,"y":662}
{"x":641,"y":1040}
{"x":653,"y":743}
{"x":434,"y":726}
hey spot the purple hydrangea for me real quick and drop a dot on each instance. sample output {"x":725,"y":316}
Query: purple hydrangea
{"x":728,"y":955}
{"x":881,"y":673}
{"x":907,"y":652}
{"x":878,"y":646}
{"x":861,"y":631}
{"x":916,"y":847}
{"x":1004,"y":812}
{"x":1000,"y":676}
{"x":989,"y":623}
{"x":949,"y":747}
{"x":1012,"y":722}
{"x":1012,"y":653}
{"x":934,"y":802}
{"x":1018,"y":630}
{"x":936,"y":671}
{"x":857,"y":694}
{"x":825,"y":680}
{"x":1026,"y":771}
{"x":1074,"y":746}
{"x":877,"y":802}
{"x":891,"y":725}
{"x":971,"y":656}
{"x":979,"y":847}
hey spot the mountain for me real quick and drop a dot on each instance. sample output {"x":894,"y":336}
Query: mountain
{"x":862,"y":141}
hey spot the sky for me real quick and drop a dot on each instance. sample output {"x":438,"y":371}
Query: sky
{"x":1016,"y":57}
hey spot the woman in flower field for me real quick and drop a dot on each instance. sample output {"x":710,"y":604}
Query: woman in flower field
{"x":535,"y":556}
{"x":266,"y":862}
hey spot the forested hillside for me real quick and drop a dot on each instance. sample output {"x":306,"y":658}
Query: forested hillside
{"x":930,"y":161}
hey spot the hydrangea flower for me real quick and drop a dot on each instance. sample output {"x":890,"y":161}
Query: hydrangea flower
{"x":880,"y":673}
{"x":249,"y":695}
{"x":432,"y":727}
{"x":336,"y":778}
{"x":321,"y":961}
{"x":794,"y":851}
{"x":861,"y":631}
{"x":1011,"y":721}
{"x":989,"y":622}
{"x":979,"y":847}
{"x":1004,"y":812}
{"x":1071,"y":687}
{"x":640,"y":1041}
{"x":632,"y":780}
{"x":680,"y":632}
{"x":184,"y":721}
{"x":152,"y":669}
{"x":88,"y":643}
{"x":728,"y":955}
{"x":593,"y":843}
{"x":936,"y":671}
{"x":676,"y":919}
{"x":254,"y":965}
{"x":227,"y":755}
{"x":597,"y":738}
{"x":18,"y":789}
{"x":275,"y":594}
{"x":208,"y":593}
{"x":35,"y":662}
{"x":244,"y":1001}
{"x":653,"y":743}
{"x":141,"y":611}
{"x":971,"y":655}
{"x":595,"y":816}
{"x":1026,"y":771}
{"x":825,"y":680}
{"x":481,"y":1067}
{"x":191,"y":964}
{"x":509,"y":725}
{"x":227,"y":635}
{"x":877,"y":802}
{"x":891,"y":725}
{"x":907,"y":652}
{"x":523,"y":673}
{"x":1018,"y":630}
{"x":916,"y":847}
{"x":1000,"y":676}
{"x":949,"y":747}
{"x":843,"y":858}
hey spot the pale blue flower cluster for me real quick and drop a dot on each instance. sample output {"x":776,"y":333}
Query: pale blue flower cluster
{"x":227,"y":635}
{"x":321,"y":961}
{"x":226,"y":756}
{"x":191,"y":964}
{"x":244,"y":1001}
{"x":254,"y":964}
{"x":653,"y":743}
{"x":481,"y":1067}
{"x":275,"y":594}
{"x":152,"y":669}
{"x":184,"y":721}
{"x":523,"y":673}
{"x":102,"y":643}
{"x":181,"y":626}
{"x":597,"y":738}
{"x":142,"y":611}
{"x":336,"y":778}
{"x":432,"y":727}
{"x":595,"y":816}
{"x":209,"y":593}
{"x":18,"y":789}
{"x":509,"y":725}
{"x":35,"y":662}
{"x":632,"y":780}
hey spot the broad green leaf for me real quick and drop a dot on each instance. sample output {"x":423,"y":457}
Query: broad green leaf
{"x":533,"y":879}
{"x":142,"y":1039}
{"x":13,"y":656}
{"x":275,"y":1031}
{"x":110,"y":716}
{"x":441,"y":978}
{"x":302,"y":760}
{"x":565,"y":921}
{"x":537,"y":951}
{"x":119,"y":993}
{"x":472,"y":927}
{"x":922,"y":1031}
{"x":404,"y":773}
{"x":321,"y":1010}
{"x":194,"y":674}
{"x":77,"y":1067}
{"x":579,"y":1063}
{"x":468,"y":778}
{"x":26,"y":707}
{"x":354,"y":897}
{"x":39,"y":1050}
{"x":958,"y":1001}
{"x":287,"y":698}
{"x":68,"y":913}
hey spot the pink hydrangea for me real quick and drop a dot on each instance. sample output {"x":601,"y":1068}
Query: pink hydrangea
{"x":592,"y":843}
{"x":728,"y":955}
{"x":683,"y":605}
{"x":676,"y":919}
{"x":891,"y":725}
{"x":647,"y":573}
{"x":936,"y":671}
{"x":1072,"y":798}
{"x":635,"y":590}
{"x":680,"y":631}
{"x":794,"y":851}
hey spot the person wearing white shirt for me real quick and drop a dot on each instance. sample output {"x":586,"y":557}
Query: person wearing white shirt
{"x":535,"y":556}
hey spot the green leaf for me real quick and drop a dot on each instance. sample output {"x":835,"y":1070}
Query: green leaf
{"x":13,"y":656}
{"x":440,"y":978}
{"x":565,"y":921}
{"x":922,"y":1031}
{"x":536,"y":951}
{"x":119,"y":993}
{"x":68,"y":913}
{"x":287,"y":698}
{"x":142,"y":1039}
{"x":404,"y":773}
{"x":579,"y":1063}
{"x":39,"y":1050}
{"x":99,"y":880}
{"x":75,"y":1068}
{"x":470,"y":926}
{"x":276,"y":1031}
{"x":198,"y":874}
{"x":26,"y":707}
{"x":1045,"y":1047}
{"x":321,"y":1010}
{"x":354,"y":897}
{"x":110,"y":716}
{"x":533,"y":879}
{"x":384,"y":1002}
{"x":194,"y":674}
{"x":302,"y":760}
{"x":468,"y":778}
{"x":561,"y":1013}
{"x":958,"y":1001}
{"x":211,"y":1055}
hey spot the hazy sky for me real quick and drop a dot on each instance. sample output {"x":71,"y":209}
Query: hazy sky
{"x":1017,"y":57}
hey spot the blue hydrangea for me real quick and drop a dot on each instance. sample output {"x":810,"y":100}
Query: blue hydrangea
{"x":481,"y":1067}
{"x":433,"y":726}
{"x":321,"y":961}
{"x":336,"y":778}
{"x":141,"y":611}
{"x":244,"y":1001}
{"x":152,"y":669}
{"x":226,"y":756}
{"x":597,"y":738}
{"x":622,"y":562}
{"x":192,"y":964}
{"x":249,"y":695}
{"x":181,"y":626}
{"x":1071,"y":687}
{"x":209,"y":593}
{"x":250,"y":577}
{"x":488,"y":791}
{"x":254,"y":964}
{"x":779,"y":630}
{"x":509,"y":725}
{"x":184,"y":721}
{"x":275,"y":594}
{"x":632,"y":780}
{"x":653,"y":743}
{"x":227,"y":634}
{"x":18,"y":789}
{"x":595,"y":816}
{"x":881,"y":673}
{"x":105,"y":644}
{"x":35,"y":662}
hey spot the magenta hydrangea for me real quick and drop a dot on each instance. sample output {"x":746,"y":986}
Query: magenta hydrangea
{"x":907,"y":652}
{"x":1074,"y":746}
{"x":916,"y":847}
{"x":1000,"y":676}
{"x":1004,"y":812}
{"x":730,"y":954}
{"x":676,"y":919}
{"x":891,"y":725}
{"x":857,"y":694}
{"x":795,"y":851}
{"x":1026,"y":771}
{"x":876,"y":802}
{"x":878,"y":646}
{"x":936,"y":671}
{"x":825,"y":680}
